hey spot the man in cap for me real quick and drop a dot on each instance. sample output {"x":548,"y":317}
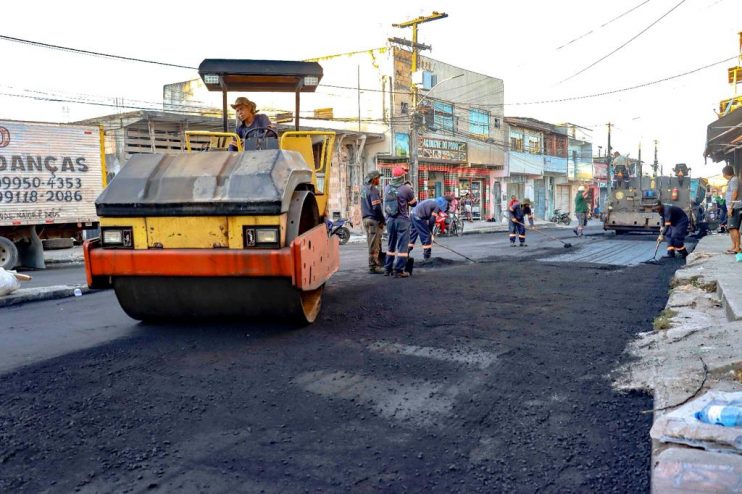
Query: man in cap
{"x":674,"y":227}
{"x":580,"y":210}
{"x":373,"y":220}
{"x":249,"y":119}
{"x":398,"y":198}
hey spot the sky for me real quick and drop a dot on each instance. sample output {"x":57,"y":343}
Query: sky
{"x":542,"y":49}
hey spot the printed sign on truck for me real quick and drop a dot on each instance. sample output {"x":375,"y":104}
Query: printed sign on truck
{"x":49,"y":173}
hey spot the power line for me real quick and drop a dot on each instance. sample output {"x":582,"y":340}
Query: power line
{"x":614,"y":91}
{"x":603,"y":25}
{"x":624,"y":44}
{"x":92,"y":53}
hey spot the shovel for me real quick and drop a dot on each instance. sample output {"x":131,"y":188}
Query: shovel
{"x":654,"y":260}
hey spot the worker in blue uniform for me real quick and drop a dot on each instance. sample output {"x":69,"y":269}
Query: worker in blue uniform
{"x":674,"y":228}
{"x":517,"y":227}
{"x":398,"y":198}
{"x":424,"y":216}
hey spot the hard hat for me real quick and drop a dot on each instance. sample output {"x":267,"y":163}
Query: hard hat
{"x":581,"y":188}
{"x":372,"y":175}
{"x":398,"y":172}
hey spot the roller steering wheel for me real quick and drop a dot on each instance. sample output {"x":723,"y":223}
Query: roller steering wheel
{"x":266,"y":132}
{"x":260,"y":134}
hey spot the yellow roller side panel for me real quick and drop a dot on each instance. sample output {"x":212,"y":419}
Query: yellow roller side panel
{"x":138,"y":225}
{"x":187,"y":232}
{"x":236,"y":240}
{"x":303,"y":145}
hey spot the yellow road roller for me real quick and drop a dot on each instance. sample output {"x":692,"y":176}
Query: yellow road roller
{"x":222,"y":233}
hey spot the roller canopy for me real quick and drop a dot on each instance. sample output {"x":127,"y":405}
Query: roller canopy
{"x":205,"y":184}
{"x":260,"y":75}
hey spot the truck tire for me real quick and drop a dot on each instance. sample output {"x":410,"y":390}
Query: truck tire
{"x":8,"y":254}
{"x":58,"y":243}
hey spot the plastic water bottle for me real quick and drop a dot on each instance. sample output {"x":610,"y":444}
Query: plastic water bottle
{"x":728,"y":414}
{"x":77,"y":292}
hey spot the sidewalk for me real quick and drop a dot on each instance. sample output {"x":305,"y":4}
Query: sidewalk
{"x":696,"y":347}
{"x":51,"y":257}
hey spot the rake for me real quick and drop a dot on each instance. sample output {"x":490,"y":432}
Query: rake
{"x":567,"y":245}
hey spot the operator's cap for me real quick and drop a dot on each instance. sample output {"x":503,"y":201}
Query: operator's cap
{"x":398,"y":172}
{"x":372,"y":175}
{"x":581,"y":188}
{"x":526,"y":201}
{"x":244,"y":101}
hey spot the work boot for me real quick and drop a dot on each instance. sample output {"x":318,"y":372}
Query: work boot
{"x":575,"y":232}
{"x":375,"y":270}
{"x":402,"y":274}
{"x":387,"y":273}
{"x":684,"y":253}
{"x":512,"y":244}
{"x":670,"y":255}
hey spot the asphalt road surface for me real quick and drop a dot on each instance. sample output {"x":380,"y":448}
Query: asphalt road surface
{"x":467,"y":377}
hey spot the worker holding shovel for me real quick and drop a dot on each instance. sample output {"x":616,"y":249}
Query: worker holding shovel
{"x":518,"y":228}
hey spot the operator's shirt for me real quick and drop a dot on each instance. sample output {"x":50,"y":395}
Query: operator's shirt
{"x":673,"y":215}
{"x":259,"y":122}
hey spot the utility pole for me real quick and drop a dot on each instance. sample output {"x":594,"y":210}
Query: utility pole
{"x":413,"y":23}
{"x":610,"y":162}
{"x":654,"y":165}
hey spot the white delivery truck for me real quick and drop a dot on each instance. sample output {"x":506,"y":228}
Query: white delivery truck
{"x":50,"y":176}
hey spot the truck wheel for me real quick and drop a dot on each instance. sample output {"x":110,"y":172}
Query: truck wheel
{"x":8,"y":254}
{"x":57,"y":243}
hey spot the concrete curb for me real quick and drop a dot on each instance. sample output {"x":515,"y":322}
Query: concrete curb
{"x":706,"y":265}
{"x":25,"y":295}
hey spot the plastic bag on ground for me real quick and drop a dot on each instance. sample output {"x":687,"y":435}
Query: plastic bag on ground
{"x":681,"y":426}
{"x":8,"y":282}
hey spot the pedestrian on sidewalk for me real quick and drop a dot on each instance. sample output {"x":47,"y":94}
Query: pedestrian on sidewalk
{"x":734,"y":208}
{"x":467,"y":203}
{"x":675,"y":228}
{"x":518,"y":228}
{"x":580,"y":210}
{"x":398,"y":197}
{"x":721,"y":209}
{"x":373,"y":220}
{"x":527,"y":211}
{"x":424,"y":215}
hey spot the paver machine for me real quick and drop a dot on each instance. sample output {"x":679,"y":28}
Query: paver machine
{"x":222,"y":233}
{"x":633,"y":198}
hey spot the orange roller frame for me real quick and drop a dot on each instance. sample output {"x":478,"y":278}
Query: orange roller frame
{"x":309,"y":261}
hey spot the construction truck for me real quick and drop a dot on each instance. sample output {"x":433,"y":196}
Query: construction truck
{"x":223,"y":233}
{"x":632,"y":199}
{"x":50,"y":175}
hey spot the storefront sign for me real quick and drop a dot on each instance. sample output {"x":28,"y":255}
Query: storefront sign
{"x":442,"y":149}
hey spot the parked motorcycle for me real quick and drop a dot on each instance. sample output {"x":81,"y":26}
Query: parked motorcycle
{"x":448,"y":224}
{"x":560,"y":216}
{"x":340,"y":228}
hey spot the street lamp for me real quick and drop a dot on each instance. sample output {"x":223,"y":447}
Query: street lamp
{"x":413,"y":131}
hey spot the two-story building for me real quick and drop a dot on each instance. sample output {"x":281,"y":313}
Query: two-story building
{"x":537,"y":164}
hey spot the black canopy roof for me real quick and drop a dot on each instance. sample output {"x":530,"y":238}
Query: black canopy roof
{"x":260,"y":75}
{"x":724,"y":136}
